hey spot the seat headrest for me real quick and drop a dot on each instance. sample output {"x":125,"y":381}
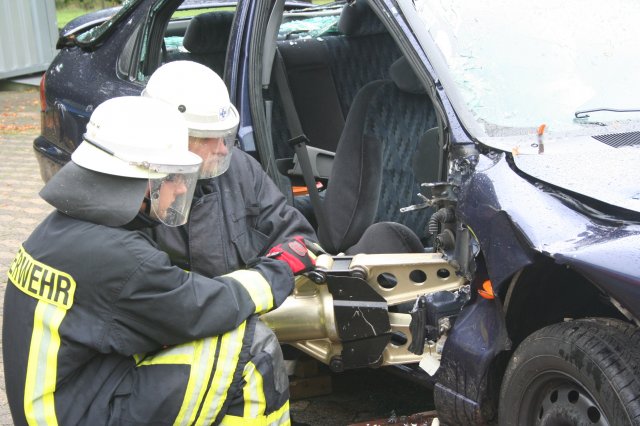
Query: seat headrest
{"x":405,"y":78}
{"x":358,"y":19}
{"x":208,"y":32}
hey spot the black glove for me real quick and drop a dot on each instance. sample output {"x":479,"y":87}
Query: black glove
{"x":297,"y":252}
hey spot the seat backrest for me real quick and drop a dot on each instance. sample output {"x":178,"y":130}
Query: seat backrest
{"x":372,"y":177}
{"x":313,"y":89}
{"x":325,"y":74}
{"x":363,"y":53}
{"x":207,"y":37}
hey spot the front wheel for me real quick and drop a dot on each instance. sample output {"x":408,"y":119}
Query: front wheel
{"x":581,"y":372}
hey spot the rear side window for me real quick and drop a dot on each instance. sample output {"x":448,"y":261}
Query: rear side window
{"x":125,"y":61}
{"x":180,"y":20}
{"x":311,"y":22}
{"x":93,"y":35}
{"x":199,"y":35}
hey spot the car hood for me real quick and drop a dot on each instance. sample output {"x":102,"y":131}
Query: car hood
{"x":603,"y":167}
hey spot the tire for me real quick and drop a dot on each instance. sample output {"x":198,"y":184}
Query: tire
{"x":581,"y":372}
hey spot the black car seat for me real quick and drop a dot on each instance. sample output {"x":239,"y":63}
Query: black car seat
{"x":206,"y":39}
{"x":363,"y":54}
{"x":372,"y":177}
{"x":325,"y":73}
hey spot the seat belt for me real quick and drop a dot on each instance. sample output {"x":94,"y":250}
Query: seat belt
{"x":298,"y":139}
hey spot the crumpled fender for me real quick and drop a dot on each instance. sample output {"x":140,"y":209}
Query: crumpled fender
{"x":478,"y":336}
{"x":513,"y":218}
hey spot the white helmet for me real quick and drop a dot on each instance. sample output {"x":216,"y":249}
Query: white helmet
{"x":202,"y":97}
{"x":143,"y":138}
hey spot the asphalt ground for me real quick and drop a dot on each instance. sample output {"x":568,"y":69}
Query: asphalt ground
{"x":366,"y":397}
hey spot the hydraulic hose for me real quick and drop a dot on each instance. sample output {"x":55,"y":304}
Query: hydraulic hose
{"x":444,"y":215}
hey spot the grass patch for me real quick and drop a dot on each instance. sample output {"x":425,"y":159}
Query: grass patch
{"x":194,"y":12}
{"x":67,"y":14}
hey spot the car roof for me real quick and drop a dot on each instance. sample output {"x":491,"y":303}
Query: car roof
{"x":84,"y":23}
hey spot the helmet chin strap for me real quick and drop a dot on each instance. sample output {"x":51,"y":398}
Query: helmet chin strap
{"x":145,"y":212}
{"x":143,"y":219}
{"x":146,"y":205}
{"x":147,"y":220}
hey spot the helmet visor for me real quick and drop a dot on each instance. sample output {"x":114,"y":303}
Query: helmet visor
{"x":171,"y":191}
{"x":215,"y":149}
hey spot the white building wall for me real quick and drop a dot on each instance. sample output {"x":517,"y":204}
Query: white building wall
{"x":28,"y":34}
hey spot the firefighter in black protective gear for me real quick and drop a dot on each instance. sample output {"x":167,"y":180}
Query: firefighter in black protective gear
{"x":99,"y":326}
{"x":238,"y":213}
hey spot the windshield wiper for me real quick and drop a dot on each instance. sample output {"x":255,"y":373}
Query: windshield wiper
{"x":583,"y":113}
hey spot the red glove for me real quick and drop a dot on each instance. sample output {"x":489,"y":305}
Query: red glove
{"x":295,"y":252}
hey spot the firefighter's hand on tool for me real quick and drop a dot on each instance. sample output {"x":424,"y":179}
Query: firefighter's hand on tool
{"x":297,"y":252}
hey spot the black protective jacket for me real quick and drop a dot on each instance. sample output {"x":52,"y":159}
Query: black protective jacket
{"x":234,"y":218}
{"x":100,"y":328}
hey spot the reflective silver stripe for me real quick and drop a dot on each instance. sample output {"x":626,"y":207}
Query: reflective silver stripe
{"x":257,"y":287}
{"x":42,"y":367}
{"x":230,"y":349}
{"x":201,"y":370}
{"x":208,"y":384}
{"x":254,"y":400}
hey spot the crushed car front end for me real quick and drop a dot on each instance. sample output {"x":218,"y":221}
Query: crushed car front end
{"x":549,"y":192}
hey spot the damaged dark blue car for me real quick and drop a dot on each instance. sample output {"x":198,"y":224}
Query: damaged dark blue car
{"x":503,"y":137}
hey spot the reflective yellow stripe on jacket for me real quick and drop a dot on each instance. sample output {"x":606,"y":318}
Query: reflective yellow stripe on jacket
{"x":213,"y":360}
{"x":257,"y":287}
{"x":42,"y":368}
{"x":253,"y":393}
{"x":181,"y":354}
{"x":279,"y":417}
{"x":54,"y":291}
{"x":255,"y":404}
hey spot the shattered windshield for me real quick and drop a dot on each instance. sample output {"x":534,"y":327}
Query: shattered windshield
{"x":518,"y":64}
